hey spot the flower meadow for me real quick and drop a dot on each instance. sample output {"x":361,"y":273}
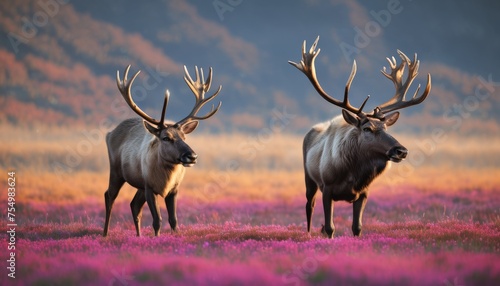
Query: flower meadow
{"x":437,"y":223}
{"x":419,"y":239}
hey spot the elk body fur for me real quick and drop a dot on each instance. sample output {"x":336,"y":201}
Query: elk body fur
{"x":342,"y":161}
{"x":151,"y":155}
{"x":334,"y":146}
{"x":139,"y":158}
{"x":344,"y":155}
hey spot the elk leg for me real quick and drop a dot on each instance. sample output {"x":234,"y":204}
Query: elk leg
{"x":329,"y":228}
{"x":311,"y":189}
{"x":171,"y":202}
{"x":357,"y":215}
{"x":110,"y":195}
{"x":136,"y":206}
{"x":154,"y":207}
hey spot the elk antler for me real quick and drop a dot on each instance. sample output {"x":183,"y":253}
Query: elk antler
{"x":308,"y":68}
{"x":199,"y":87}
{"x":125,"y":87}
{"x":398,"y":100}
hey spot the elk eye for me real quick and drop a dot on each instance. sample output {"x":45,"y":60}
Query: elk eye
{"x":167,"y":139}
{"x":367,"y":129}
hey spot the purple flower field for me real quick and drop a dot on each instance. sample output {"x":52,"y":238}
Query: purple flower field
{"x":422,"y":239}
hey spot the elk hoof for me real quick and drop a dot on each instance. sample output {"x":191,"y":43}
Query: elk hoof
{"x":326,"y":232}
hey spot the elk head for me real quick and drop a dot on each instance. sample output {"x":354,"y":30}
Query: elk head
{"x":171,"y":136}
{"x":372,"y":126}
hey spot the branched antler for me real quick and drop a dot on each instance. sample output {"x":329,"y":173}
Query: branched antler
{"x":307,"y":66}
{"x":398,"y":100}
{"x":125,"y":88}
{"x":199,"y":87}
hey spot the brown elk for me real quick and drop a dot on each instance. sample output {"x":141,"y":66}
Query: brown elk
{"x":151,"y":154}
{"x":344,"y":155}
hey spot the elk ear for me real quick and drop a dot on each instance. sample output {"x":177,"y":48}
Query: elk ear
{"x":189,"y":127}
{"x":350,"y":118}
{"x":391,"y":118}
{"x":153,"y":130}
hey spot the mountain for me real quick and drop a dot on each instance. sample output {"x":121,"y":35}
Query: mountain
{"x":59,"y":60}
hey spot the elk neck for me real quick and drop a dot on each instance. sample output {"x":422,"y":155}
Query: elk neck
{"x":353,"y":161}
{"x":163,"y":175}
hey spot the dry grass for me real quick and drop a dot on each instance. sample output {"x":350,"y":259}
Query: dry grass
{"x":71,"y":165}
{"x":242,"y":207}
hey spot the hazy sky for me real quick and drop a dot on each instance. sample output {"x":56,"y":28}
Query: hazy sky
{"x":59,"y":60}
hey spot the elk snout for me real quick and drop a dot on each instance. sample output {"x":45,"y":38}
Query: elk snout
{"x":397,"y":153}
{"x":188,"y":159}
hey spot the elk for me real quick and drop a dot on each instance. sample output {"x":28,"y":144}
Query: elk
{"x":151,"y":155}
{"x":344,"y":155}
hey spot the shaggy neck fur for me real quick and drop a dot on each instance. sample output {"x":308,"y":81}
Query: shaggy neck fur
{"x":359,"y":165}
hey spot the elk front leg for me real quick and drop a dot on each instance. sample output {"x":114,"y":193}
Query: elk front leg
{"x":154,"y":207}
{"x":328,"y":228}
{"x":358,"y":209}
{"x":311,"y":189}
{"x":171,"y":202}
{"x":136,"y":206}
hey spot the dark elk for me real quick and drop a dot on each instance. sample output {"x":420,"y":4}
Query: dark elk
{"x":151,"y":155}
{"x":344,"y":155}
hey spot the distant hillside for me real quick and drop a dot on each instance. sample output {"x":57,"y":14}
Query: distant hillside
{"x":59,"y":61}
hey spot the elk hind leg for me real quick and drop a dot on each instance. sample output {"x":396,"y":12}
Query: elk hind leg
{"x":311,"y":190}
{"x":136,"y":206}
{"x":115,"y":184}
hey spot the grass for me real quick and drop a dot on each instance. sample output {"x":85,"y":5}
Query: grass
{"x":261,"y":242}
{"x":432,"y":223}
